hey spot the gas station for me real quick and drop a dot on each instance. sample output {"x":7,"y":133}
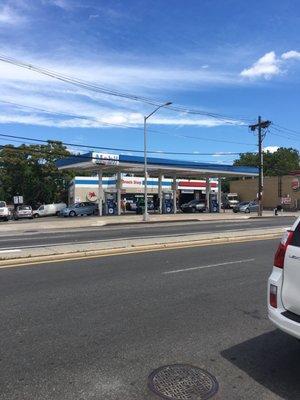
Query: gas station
{"x":112,"y":171}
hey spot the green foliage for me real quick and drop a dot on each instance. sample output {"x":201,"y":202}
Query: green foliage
{"x":279,"y":163}
{"x":30,"y":170}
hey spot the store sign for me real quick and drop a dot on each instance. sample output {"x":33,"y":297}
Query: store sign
{"x":132,"y":182}
{"x":295,"y":184}
{"x":91,"y":196}
{"x":286,"y":200}
{"x":18,"y":199}
{"x":105,"y":158}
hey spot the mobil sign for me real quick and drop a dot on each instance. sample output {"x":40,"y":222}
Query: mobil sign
{"x":295,"y":184}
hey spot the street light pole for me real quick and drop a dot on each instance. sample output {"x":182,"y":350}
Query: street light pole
{"x":145,"y":216}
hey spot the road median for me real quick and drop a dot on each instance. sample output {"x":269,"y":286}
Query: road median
{"x":18,"y":257}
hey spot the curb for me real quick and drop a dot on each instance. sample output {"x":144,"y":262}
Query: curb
{"x":31,"y":260}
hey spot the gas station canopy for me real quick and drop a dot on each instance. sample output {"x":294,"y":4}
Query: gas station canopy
{"x":114,"y":163}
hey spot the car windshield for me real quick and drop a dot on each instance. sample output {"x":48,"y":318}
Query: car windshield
{"x":25,"y":208}
{"x":244,"y":203}
{"x":193,"y":202}
{"x":2,"y":204}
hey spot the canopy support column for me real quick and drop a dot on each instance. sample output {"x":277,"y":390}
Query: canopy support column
{"x":219,"y":193}
{"x":160,"y":194}
{"x":100,"y":191}
{"x":174,"y":195}
{"x":119,"y":187}
{"x":207,"y":194}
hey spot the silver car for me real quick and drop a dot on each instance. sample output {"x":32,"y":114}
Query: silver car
{"x":83,"y":208}
{"x":246,"y":207}
{"x":23,"y":212}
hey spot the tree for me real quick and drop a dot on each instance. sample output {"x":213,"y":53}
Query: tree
{"x":279,"y":163}
{"x":30,"y":170}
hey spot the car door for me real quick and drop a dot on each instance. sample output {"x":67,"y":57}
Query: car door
{"x":78,"y":208}
{"x":253,"y":206}
{"x":41,"y":211}
{"x":83,"y":208}
{"x":291,"y":274}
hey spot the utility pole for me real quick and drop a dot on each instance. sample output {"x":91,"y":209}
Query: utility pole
{"x":261,"y":135}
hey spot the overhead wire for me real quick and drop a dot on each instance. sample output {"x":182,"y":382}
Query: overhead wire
{"x":184,"y":136}
{"x":195,"y":153}
{"x":112,"y":92}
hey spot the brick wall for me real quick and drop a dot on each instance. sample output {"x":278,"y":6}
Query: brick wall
{"x":274,"y":188}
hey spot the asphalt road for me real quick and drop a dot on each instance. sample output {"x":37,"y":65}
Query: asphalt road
{"x":35,"y":238}
{"x":95,"y":329}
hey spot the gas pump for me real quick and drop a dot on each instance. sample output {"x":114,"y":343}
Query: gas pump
{"x":167,"y":203}
{"x":213,"y":203}
{"x":110,"y":203}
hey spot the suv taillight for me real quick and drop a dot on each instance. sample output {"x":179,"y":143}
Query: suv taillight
{"x":280,"y":253}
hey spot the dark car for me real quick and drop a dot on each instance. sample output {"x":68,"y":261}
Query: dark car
{"x":194,"y":206}
{"x":246,"y":207}
{"x":140,"y":206}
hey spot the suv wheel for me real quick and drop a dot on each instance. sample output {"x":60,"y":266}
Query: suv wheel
{"x":35,"y":215}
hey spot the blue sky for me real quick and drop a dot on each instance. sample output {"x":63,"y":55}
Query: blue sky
{"x":230,"y":57}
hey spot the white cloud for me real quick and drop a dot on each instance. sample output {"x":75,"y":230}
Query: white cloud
{"x":292,"y":54}
{"x":266,"y":66}
{"x":29,"y":88}
{"x":8,"y":16}
{"x":271,"y":149}
{"x":64,"y":4}
{"x":269,"y":65}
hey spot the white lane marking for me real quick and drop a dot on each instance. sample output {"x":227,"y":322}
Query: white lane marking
{"x":231,"y":225}
{"x":10,"y":251}
{"x":209,"y":266}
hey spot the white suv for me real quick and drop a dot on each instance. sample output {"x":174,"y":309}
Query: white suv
{"x":284,"y":283}
{"x":4,"y":211}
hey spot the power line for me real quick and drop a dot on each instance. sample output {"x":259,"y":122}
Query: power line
{"x":195,"y":153}
{"x":282,"y":128}
{"x":45,"y":152}
{"x":123,"y":125}
{"x":284,"y":135}
{"x":104,"y":90}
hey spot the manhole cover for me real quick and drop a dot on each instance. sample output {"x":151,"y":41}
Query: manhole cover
{"x":182,"y":382}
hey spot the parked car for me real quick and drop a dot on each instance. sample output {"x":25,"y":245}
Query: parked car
{"x":246,"y":207}
{"x":284,"y":283}
{"x":140,"y":206}
{"x":229,"y":200}
{"x":48,"y":209}
{"x":84,"y":208}
{"x":194,"y":206}
{"x":4,"y":211}
{"x":23,"y":212}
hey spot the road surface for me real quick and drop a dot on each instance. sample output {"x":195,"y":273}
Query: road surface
{"x":34,"y":238}
{"x":95,"y":329}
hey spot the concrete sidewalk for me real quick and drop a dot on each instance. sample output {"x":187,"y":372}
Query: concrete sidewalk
{"x":57,"y":223}
{"x":114,"y":247}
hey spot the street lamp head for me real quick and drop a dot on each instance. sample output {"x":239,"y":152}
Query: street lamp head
{"x":168,"y":103}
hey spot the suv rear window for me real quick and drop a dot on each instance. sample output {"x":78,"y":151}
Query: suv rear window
{"x":296,"y":237}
